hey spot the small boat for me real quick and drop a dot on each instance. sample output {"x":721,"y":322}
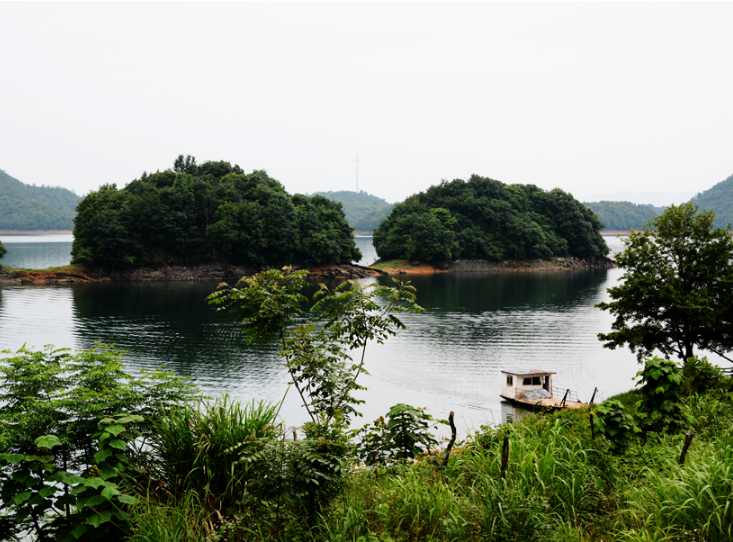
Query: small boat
{"x":533,"y":389}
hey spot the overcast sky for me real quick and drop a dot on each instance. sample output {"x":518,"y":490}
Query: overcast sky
{"x":589,"y":97}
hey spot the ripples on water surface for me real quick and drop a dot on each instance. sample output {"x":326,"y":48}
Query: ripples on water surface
{"x":450,"y":357}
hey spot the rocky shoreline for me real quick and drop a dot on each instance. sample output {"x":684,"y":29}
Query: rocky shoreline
{"x":210,"y":271}
{"x":231,"y":273}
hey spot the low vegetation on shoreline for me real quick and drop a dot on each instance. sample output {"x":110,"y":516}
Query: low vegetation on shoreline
{"x":174,"y":467}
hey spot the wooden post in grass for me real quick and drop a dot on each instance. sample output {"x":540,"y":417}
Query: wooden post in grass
{"x":452,"y":439}
{"x":295,"y":435}
{"x":592,"y":428}
{"x":686,"y":446}
{"x":594,"y":396}
{"x":564,"y":398}
{"x":504,"y":455}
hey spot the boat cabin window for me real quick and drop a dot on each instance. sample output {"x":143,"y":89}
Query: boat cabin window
{"x":531,"y":381}
{"x":509,"y":381}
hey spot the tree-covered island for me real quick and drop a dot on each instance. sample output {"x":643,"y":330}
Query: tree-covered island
{"x":196,"y":213}
{"x":486,"y":219}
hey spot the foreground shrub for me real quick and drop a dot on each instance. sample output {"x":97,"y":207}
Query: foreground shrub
{"x":616,"y":424}
{"x":403,"y":437}
{"x":65,"y":443}
{"x":661,"y":395}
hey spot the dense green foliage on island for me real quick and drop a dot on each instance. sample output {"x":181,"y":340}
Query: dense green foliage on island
{"x":719,"y":198}
{"x":624,"y":215}
{"x":209,"y":212}
{"x":487,"y":219}
{"x":363,"y":211}
{"x":25,"y":207}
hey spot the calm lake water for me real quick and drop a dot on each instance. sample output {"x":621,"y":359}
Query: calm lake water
{"x":37,"y":251}
{"x":449,"y":358}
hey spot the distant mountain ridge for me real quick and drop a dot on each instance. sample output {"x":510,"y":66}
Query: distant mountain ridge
{"x":25,"y":207}
{"x":719,"y":198}
{"x":363,"y":211}
{"x":623,"y":215}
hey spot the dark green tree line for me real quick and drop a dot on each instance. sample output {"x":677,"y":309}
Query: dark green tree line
{"x":624,"y":215}
{"x":487,"y":219}
{"x":212,"y":211}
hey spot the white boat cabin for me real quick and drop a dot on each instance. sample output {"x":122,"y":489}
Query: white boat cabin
{"x":515,"y":384}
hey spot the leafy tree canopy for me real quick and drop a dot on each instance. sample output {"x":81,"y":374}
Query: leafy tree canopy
{"x":363,"y":211}
{"x":677,"y":290}
{"x":3,"y":251}
{"x":212,"y":211}
{"x":719,"y":198}
{"x":484,"y":218}
{"x":25,"y":207}
{"x":624,"y":215}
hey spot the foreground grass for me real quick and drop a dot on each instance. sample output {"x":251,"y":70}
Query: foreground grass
{"x":561,"y":485}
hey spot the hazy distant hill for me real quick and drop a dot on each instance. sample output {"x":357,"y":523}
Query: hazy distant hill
{"x":363,"y":211}
{"x":25,"y":207}
{"x":719,"y":198}
{"x":624,"y":215}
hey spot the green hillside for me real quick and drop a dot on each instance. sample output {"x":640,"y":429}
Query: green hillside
{"x":624,"y":215}
{"x":719,"y":198}
{"x":363,"y":211}
{"x":484,"y":218}
{"x":24,"y":207}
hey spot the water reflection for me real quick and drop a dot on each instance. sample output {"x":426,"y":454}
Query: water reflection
{"x":172,"y":324}
{"x":510,"y":414}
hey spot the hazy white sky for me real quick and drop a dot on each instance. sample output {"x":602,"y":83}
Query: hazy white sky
{"x":589,"y":97}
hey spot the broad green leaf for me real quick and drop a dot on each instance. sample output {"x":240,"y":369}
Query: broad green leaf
{"x":47,"y":491}
{"x":78,"y":531}
{"x":115,"y":429}
{"x":22,"y":497}
{"x":101,"y":455}
{"x":127,"y":499}
{"x":119,"y":444}
{"x":66,"y":478}
{"x":94,"y":500}
{"x":94,"y":482}
{"x":99,"y":518}
{"x":109,"y":492}
{"x":48,"y":441}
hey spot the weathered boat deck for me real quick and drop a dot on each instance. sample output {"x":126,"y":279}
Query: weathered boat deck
{"x":551,"y":402}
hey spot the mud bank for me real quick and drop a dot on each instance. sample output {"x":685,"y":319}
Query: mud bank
{"x":211,"y":271}
{"x":468,"y":266}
